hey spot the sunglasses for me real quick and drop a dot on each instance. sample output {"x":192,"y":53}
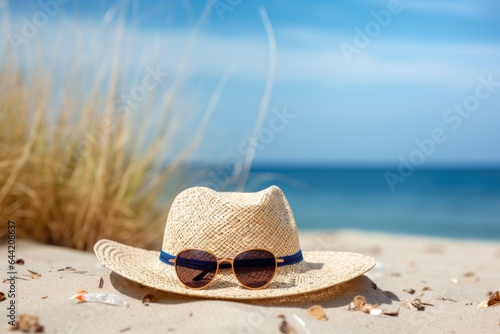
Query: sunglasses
{"x":254,"y":268}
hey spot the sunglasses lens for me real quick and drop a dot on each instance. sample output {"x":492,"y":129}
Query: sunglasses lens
{"x":255,"y":268}
{"x":195,"y":268}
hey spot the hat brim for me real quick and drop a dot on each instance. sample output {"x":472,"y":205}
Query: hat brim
{"x":319,"y":270}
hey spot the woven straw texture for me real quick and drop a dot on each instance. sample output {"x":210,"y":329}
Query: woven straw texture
{"x":226,"y":224}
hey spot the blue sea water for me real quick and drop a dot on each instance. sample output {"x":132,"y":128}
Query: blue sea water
{"x":457,"y":203}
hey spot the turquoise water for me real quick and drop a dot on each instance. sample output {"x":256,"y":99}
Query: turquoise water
{"x":455,"y":203}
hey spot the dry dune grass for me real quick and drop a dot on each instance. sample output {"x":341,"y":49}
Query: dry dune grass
{"x":73,"y":169}
{"x":76,"y":165}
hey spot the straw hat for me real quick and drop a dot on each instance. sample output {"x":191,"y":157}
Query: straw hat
{"x":225,"y":224}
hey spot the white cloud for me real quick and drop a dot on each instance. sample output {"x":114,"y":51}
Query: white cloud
{"x":447,"y":7}
{"x":307,"y":58}
{"x":463,"y":8}
{"x":305,"y":55}
{"x":321,"y":61}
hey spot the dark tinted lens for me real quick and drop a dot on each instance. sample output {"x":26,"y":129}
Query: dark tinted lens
{"x":195,"y":268}
{"x":255,"y":268}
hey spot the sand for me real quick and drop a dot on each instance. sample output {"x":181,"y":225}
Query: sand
{"x":454,"y":276}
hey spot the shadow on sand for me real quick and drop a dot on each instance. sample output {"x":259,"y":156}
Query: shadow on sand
{"x":337,"y":296}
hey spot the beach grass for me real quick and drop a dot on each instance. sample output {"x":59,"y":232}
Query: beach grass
{"x":74,"y":166}
{"x":78,"y":161}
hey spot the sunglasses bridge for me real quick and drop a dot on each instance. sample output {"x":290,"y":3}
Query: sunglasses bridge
{"x":229,"y":263}
{"x":225,"y":263}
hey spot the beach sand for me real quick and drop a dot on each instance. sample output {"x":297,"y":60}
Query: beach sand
{"x":454,"y":276}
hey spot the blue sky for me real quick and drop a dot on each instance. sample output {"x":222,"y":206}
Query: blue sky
{"x":368,"y":106}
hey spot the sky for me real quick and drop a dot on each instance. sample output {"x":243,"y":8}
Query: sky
{"x":356,"y":82}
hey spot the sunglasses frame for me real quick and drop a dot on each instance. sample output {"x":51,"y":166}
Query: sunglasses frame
{"x":231,"y":261}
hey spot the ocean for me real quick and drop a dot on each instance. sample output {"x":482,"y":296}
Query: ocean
{"x":455,"y":203}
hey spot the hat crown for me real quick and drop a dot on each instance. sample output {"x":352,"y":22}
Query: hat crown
{"x":226,"y":223}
